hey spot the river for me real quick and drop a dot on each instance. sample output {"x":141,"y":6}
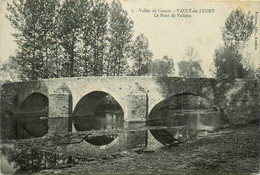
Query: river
{"x":164,"y":127}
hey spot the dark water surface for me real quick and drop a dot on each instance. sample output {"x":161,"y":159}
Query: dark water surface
{"x":175,"y":128}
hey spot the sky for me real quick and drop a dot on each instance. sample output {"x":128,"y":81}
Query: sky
{"x":169,"y":34}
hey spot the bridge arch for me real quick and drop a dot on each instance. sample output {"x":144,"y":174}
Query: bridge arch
{"x":159,"y":101}
{"x":24,"y":96}
{"x":31,"y":116}
{"x":182,"y":113}
{"x":86,"y":116}
{"x":102,"y":91}
{"x":155,"y":100}
{"x":29,"y":88}
{"x":36,"y":100}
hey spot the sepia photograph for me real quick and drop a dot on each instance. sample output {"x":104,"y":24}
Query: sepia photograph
{"x":129,"y":87}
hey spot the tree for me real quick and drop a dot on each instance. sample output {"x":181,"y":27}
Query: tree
{"x":70,"y":38}
{"x":238,"y":29}
{"x":99,"y":17}
{"x":228,"y":60}
{"x":120,"y":38}
{"x":93,"y":37}
{"x":189,"y":67}
{"x":10,"y":71}
{"x":228,"y":64}
{"x":24,"y":17}
{"x":86,"y":29}
{"x":56,"y":49}
{"x":141,"y":55}
{"x":162,"y":67}
{"x":69,"y":30}
{"x":257,"y":73}
{"x":190,"y":53}
{"x":50,"y":25}
{"x":33,"y":21}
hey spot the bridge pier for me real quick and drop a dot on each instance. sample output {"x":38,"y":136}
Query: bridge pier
{"x":60,"y":108}
{"x":136,"y":107}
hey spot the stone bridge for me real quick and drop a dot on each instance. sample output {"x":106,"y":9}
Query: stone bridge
{"x":137,"y":96}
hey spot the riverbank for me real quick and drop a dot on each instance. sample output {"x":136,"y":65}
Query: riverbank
{"x":232,"y":150}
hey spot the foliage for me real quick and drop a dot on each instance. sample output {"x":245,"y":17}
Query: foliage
{"x":86,"y":29}
{"x":228,"y":60}
{"x":27,"y":36}
{"x":223,"y":59}
{"x":257,"y":73}
{"x":33,"y":22}
{"x":162,"y":67}
{"x":98,"y":35}
{"x":190,"y":53}
{"x":9,"y":71}
{"x":70,"y":38}
{"x":189,"y":67}
{"x":141,"y":55}
{"x":93,"y":37}
{"x":120,"y":38}
{"x":228,"y":64}
{"x":69,"y":28}
{"x":238,"y":29}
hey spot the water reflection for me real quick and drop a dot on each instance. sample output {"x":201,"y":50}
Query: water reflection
{"x":184,"y":116}
{"x":171,"y":122}
{"x":28,"y":126}
{"x":184,"y":126}
{"x":7,"y":167}
{"x":191,"y":119}
{"x":172,"y":131}
{"x":101,"y":140}
{"x":19,"y":159}
{"x":179,"y":125}
{"x":101,"y":120}
{"x":31,"y":116}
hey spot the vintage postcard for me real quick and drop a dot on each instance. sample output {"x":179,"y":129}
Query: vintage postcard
{"x":129,"y":87}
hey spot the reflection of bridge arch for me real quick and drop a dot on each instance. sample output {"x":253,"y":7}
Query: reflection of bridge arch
{"x":181,"y":113}
{"x":108,"y":145}
{"x":86,"y":117}
{"x":30,"y":116}
{"x":121,"y":142}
